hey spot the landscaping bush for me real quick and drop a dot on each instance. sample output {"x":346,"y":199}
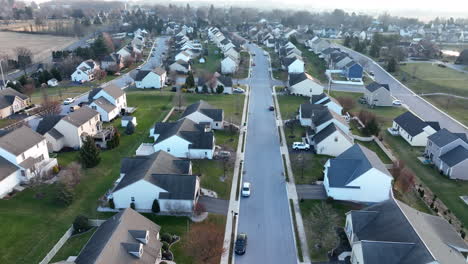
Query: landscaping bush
{"x":132,"y":205}
{"x":56,"y":169}
{"x":130,"y":129}
{"x":89,"y":153}
{"x":166,"y":255}
{"x":63,"y":195}
{"x":155,"y":207}
{"x":166,"y":237}
{"x":165,"y":246}
{"x":111,"y":203}
{"x":81,"y":224}
{"x":219,"y":89}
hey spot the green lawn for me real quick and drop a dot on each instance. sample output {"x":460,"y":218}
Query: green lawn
{"x":244,"y":66}
{"x":212,"y":63}
{"x":213,"y":176}
{"x":73,"y":246}
{"x":53,"y":92}
{"x":307,"y":167}
{"x":446,"y":190}
{"x":314,"y":65}
{"x":340,"y":208}
{"x":455,"y":107}
{"x":289,"y":105}
{"x":231,"y":104}
{"x":374,"y":147}
{"x":278,"y":73}
{"x":6,"y":122}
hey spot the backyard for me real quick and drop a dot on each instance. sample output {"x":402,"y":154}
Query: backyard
{"x":31,"y":213}
{"x":54,"y":92}
{"x":314,"y":65}
{"x":278,"y":72}
{"x":212,"y":61}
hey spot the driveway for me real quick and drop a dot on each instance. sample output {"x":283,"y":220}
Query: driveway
{"x":265,"y":215}
{"x":311,"y":192}
{"x":403,"y":93}
{"x":214,"y":205}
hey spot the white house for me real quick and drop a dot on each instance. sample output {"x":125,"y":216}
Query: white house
{"x":157,"y":177}
{"x":151,"y":79}
{"x":293,"y":65}
{"x":128,"y":119}
{"x":413,"y":129}
{"x":377,"y":94}
{"x":303,"y":84}
{"x":126,"y":52}
{"x":203,"y":113}
{"x":180,"y":66}
{"x":229,"y":65}
{"x":85,"y":71}
{"x":52,"y":82}
{"x":23,"y":156}
{"x":328,"y":101}
{"x":357,"y":175}
{"x":184,"y":139}
{"x":183,"y":55}
{"x":233,"y":53}
{"x":12,"y":101}
{"x":108,"y":101}
{"x":332,"y":141}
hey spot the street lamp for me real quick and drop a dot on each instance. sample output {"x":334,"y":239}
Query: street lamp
{"x":1,"y":71}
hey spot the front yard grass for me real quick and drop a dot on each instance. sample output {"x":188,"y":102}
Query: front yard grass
{"x":307,"y":167}
{"x":455,"y":107}
{"x":212,"y":176}
{"x":244,"y":66}
{"x":212,"y":61}
{"x":54,"y":92}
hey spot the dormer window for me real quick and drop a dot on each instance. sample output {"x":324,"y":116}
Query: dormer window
{"x":134,"y":249}
{"x":140,"y":235}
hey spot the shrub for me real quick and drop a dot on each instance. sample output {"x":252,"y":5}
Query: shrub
{"x":130,"y":129}
{"x":89,"y":153}
{"x":166,"y":255}
{"x":462,"y":234}
{"x":132,"y":205}
{"x":81,"y":223}
{"x":56,"y":169}
{"x":111,"y":203}
{"x":165,"y":246}
{"x":219,"y":89}
{"x":63,"y":195}
{"x":166,"y":237}
{"x":155,"y":207}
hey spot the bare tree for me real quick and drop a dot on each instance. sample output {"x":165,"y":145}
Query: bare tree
{"x":71,"y":175}
{"x":205,"y":242}
{"x":24,"y":57}
{"x":406,"y":180}
{"x":346,"y":102}
{"x":323,"y":227}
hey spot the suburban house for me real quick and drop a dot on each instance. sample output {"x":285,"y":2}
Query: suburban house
{"x":203,"y":113}
{"x":180,"y":66}
{"x":112,"y":62}
{"x":357,"y":175}
{"x":377,"y":94}
{"x":159,"y":176}
{"x":342,"y":62}
{"x":12,"y":101}
{"x":293,"y":65}
{"x":68,"y":131}
{"x":183,"y":139}
{"x":127,"y":237}
{"x":393,"y":232}
{"x":229,"y":65}
{"x":353,"y":71}
{"x":85,"y":71}
{"x":183,"y":55}
{"x":127,"y":52}
{"x":462,"y":58}
{"x":213,"y":81}
{"x":317,"y":117}
{"x":318,"y":45}
{"x":53,"y":82}
{"x":449,"y":153}
{"x":151,"y":79}
{"x":303,"y":84}
{"x":109,"y":101}
{"x":23,"y":156}
{"x":413,"y":129}
{"x":328,"y":101}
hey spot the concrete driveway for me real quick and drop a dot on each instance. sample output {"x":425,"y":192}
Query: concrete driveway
{"x":311,"y":192}
{"x":265,"y":215}
{"x":422,"y":108}
{"x":214,"y":205}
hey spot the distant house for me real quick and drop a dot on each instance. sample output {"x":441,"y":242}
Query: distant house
{"x":126,"y":52}
{"x":394,"y":232}
{"x":232,"y":52}
{"x":449,"y":153}
{"x":353,"y":71}
{"x":108,"y":101}
{"x":303,"y":84}
{"x":462,"y":58}
{"x":52,"y":82}
{"x":377,"y":94}
{"x":151,"y":79}
{"x":112,"y":62}
{"x":293,"y":65}
{"x":328,"y":101}
{"x":225,"y":82}
{"x":413,"y":129}
{"x":183,"y":55}
{"x":23,"y":156}
{"x":203,"y":113}
{"x":229,"y":65}
{"x":331,"y":140}
{"x":318,"y":45}
{"x":184,"y":139}
{"x":180,"y":66}
{"x":85,"y":71}
{"x":12,"y":101}
{"x":357,"y":175}
{"x":161,"y":177}
{"x":127,"y":237}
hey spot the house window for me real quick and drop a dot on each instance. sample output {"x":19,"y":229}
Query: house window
{"x":133,"y":199}
{"x":336,"y":139}
{"x":168,"y":149}
{"x":23,"y":173}
{"x":94,"y":107}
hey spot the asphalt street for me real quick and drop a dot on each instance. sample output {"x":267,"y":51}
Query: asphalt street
{"x":265,"y":215}
{"x":422,"y":108}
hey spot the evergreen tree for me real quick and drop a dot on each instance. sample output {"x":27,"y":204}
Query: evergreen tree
{"x":89,"y":153}
{"x":56,"y":73}
{"x":190,"y":81}
{"x":130,"y":129}
{"x":220,"y":89}
{"x":347,"y":41}
{"x":391,"y":65}
{"x":99,"y":47}
{"x":155,"y":207}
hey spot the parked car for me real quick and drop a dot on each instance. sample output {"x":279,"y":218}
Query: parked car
{"x":238,"y":90}
{"x":246,"y":189}
{"x":69,"y":101}
{"x":396,"y":102}
{"x":241,"y":244}
{"x":138,"y":68}
{"x":74,"y":108}
{"x":371,"y":73}
{"x":271,"y":108}
{"x":300,"y":146}
{"x":362,"y":100}
{"x":223,"y":154}
{"x":80,"y":104}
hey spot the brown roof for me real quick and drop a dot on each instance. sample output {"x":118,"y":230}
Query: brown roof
{"x":113,"y":90}
{"x":19,"y":140}
{"x":159,"y":71}
{"x":80,"y":116}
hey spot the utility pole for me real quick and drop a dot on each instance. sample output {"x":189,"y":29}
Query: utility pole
{"x":3,"y":76}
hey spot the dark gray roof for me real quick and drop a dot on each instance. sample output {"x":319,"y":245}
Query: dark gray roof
{"x":319,"y":114}
{"x":327,"y":131}
{"x":315,"y":98}
{"x":412,"y":124}
{"x":455,"y":156}
{"x":178,"y":187}
{"x":350,"y":64}
{"x":444,"y":137}
{"x":204,"y":108}
{"x":55,"y":133}
{"x":295,"y":78}
{"x":7,"y":97}
{"x":141,"y":74}
{"x":19,"y":140}
{"x":288,"y":61}
{"x":104,"y":104}
{"x":351,"y":164}
{"x":225,"y":80}
{"x":47,"y":123}
{"x":144,"y":167}
{"x":186,"y":129}
{"x":394,"y":252}
{"x":81,"y":116}
{"x":375,"y":86}
{"x":109,"y":244}
{"x":6,"y":168}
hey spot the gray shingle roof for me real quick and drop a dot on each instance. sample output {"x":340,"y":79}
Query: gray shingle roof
{"x":372,"y":87}
{"x":455,"y":156}
{"x":412,"y":124}
{"x":19,"y":140}
{"x":6,"y":168}
{"x":7,"y":97}
{"x":104,"y":104}
{"x":204,"y":108}
{"x":141,"y":74}
{"x":319,"y":114}
{"x":178,"y":187}
{"x":55,"y":133}
{"x":225,"y":80}
{"x":394,"y":252}
{"x":315,"y":98}
{"x":80,"y":116}
{"x":351,"y":164}
{"x":295,"y":78}
{"x":327,"y":131}
{"x":444,"y":137}
{"x":107,"y":245}
{"x":188,"y":130}
{"x":47,"y":123}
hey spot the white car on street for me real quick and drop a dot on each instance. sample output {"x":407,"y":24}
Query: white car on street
{"x":238,"y":90}
{"x":396,"y":102}
{"x":69,"y":101}
{"x":246,"y":189}
{"x":300,"y":146}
